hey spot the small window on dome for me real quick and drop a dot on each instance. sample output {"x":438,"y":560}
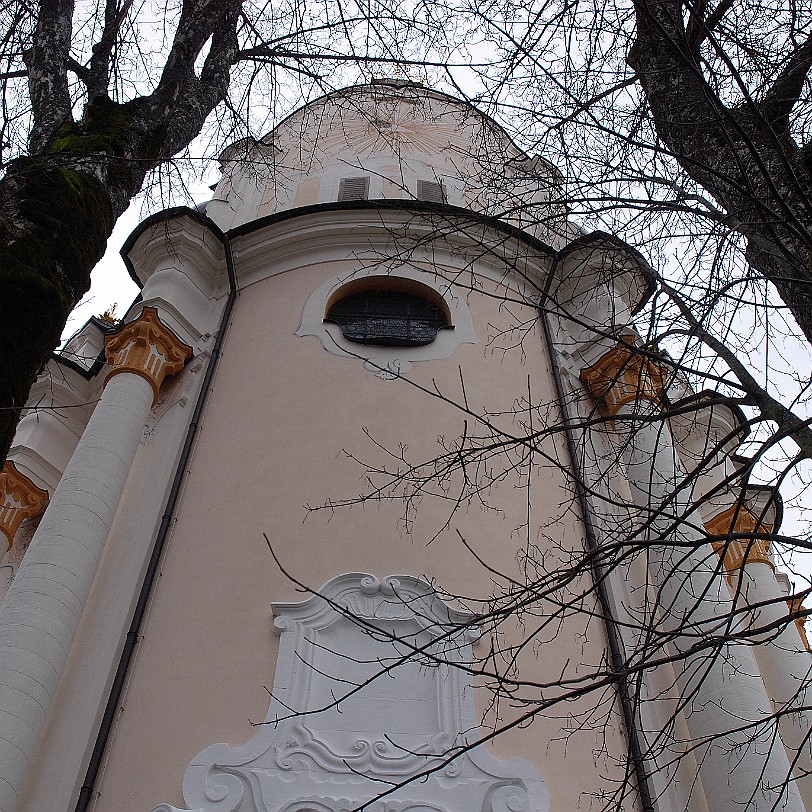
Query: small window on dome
{"x":353,"y":189}
{"x":431,"y":191}
{"x":388,"y":317}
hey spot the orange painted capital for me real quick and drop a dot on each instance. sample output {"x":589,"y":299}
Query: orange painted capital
{"x":623,"y":376}
{"x":795,"y":606}
{"x":146,"y":347}
{"x":739,"y":520}
{"x":21,"y":499}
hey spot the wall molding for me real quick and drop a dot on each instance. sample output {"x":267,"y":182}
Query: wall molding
{"x":371,"y":696}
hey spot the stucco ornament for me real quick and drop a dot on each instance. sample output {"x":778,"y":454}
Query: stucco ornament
{"x":388,"y":363}
{"x":148,"y":348}
{"x":20,"y":499}
{"x":370,"y":708}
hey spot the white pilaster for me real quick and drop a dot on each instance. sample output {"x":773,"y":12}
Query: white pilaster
{"x":14,"y":556}
{"x":739,"y":528}
{"x":731,"y":723}
{"x":41,"y":612}
{"x":729,"y":715}
{"x":784,"y":662}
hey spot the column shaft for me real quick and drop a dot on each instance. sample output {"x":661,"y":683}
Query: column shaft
{"x":42,"y":609}
{"x":785,"y":665}
{"x":41,"y":612}
{"x":741,"y":762}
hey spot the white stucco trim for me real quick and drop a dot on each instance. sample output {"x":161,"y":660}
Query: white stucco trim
{"x":334,"y":740}
{"x":388,"y":362}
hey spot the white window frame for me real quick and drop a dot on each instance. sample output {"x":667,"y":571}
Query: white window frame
{"x":387,"y":362}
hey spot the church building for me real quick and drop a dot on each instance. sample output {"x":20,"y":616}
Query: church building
{"x":377,"y":500}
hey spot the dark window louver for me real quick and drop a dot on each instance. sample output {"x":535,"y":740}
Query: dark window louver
{"x":387,"y":318}
{"x":353,"y":189}
{"x":430,"y":191}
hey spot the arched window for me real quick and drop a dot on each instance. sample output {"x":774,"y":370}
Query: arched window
{"x":389,"y":316}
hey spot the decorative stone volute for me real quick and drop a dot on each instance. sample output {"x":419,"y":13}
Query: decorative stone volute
{"x":148,"y":348}
{"x":743,"y":547}
{"x":394,"y":655}
{"x":21,"y":499}
{"x":624,"y":375}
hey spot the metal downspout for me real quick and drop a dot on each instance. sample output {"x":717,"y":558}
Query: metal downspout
{"x":612,"y":633}
{"x":131,"y":640}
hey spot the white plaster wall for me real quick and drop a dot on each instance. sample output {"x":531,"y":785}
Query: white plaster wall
{"x":58,"y":408}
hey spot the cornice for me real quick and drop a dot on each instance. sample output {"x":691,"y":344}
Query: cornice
{"x":497,"y":240}
{"x":389,"y":232}
{"x":180,"y":232}
{"x":710,"y":419}
{"x":599,"y":257}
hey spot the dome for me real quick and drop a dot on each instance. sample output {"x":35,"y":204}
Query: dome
{"x":388,"y":141}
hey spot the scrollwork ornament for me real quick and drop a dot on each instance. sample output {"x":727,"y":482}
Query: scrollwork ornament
{"x":473,"y":633}
{"x":370,"y":585}
{"x":224,"y":790}
{"x":451,"y":770}
{"x":509,"y":798}
{"x":390,"y":586}
{"x":407,"y":729}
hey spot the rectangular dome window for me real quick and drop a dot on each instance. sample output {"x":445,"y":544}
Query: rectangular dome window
{"x":431,"y":191}
{"x":353,"y":189}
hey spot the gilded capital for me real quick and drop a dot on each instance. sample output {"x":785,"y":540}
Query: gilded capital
{"x":624,"y":375}
{"x":148,"y":348}
{"x":743,"y":548}
{"x":796,"y":606}
{"x":21,"y":499}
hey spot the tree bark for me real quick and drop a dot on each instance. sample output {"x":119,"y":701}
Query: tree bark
{"x":45,"y":264}
{"x":58,"y":205}
{"x":744,"y":156}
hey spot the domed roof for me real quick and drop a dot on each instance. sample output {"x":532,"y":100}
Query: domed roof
{"x":389,"y":141}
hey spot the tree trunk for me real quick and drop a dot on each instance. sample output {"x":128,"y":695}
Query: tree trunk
{"x":744,"y":156}
{"x":58,"y":206}
{"x":54,"y":223}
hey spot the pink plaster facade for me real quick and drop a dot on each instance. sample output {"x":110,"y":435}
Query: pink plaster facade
{"x":348,"y":457}
{"x":282,"y":420}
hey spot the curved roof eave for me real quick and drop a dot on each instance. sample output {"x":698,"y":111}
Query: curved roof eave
{"x":417,"y":206}
{"x":453,"y":213}
{"x":603,"y":238}
{"x":164,"y":216}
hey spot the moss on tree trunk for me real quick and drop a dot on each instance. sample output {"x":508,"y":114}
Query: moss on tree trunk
{"x":54,"y":225}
